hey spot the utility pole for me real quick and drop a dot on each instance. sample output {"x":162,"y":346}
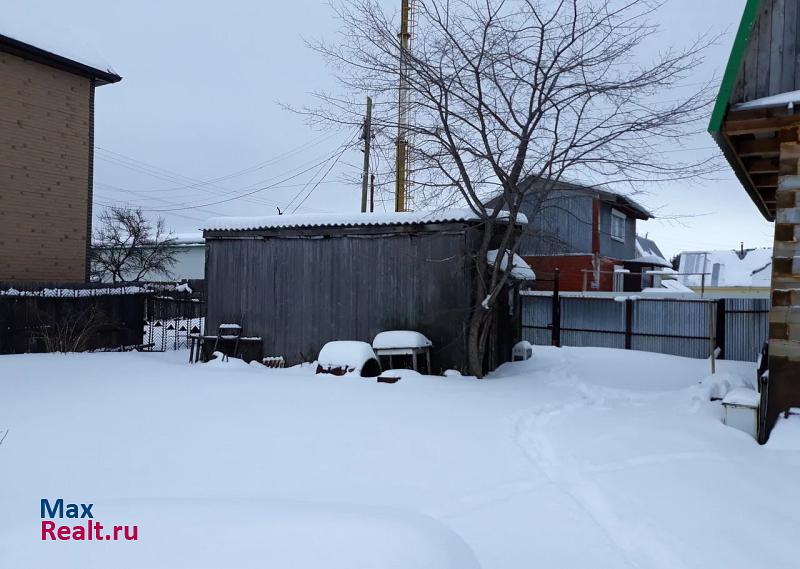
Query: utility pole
{"x":401,"y":185}
{"x":367,"y":136}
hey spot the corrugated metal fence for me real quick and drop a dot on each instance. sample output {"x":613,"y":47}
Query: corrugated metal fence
{"x":681,"y":327}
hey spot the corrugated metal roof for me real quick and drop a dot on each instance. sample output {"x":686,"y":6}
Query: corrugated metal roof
{"x":342,"y":220}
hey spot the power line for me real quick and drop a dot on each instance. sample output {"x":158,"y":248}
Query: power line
{"x":247,"y":193}
{"x":134,"y":163}
{"x":320,"y":181}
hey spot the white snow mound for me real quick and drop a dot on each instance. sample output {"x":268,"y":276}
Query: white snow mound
{"x":345,"y":354}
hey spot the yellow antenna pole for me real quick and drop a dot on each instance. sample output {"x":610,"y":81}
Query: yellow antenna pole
{"x":401,"y":185}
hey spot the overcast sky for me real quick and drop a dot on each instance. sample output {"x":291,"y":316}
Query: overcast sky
{"x":199,"y":101}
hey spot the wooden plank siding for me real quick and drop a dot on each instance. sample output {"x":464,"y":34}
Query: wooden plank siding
{"x":300,"y":288}
{"x":771,"y":65}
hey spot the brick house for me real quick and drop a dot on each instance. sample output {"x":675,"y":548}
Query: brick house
{"x":585,"y":232}
{"x":757,"y":127}
{"x":46,"y":162}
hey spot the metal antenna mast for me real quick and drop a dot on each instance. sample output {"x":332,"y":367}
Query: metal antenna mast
{"x":401,"y":196}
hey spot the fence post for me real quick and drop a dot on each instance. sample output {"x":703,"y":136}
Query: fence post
{"x":721,"y":311}
{"x":556,"y":331}
{"x":628,"y":323}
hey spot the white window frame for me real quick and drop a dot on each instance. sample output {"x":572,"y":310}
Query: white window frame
{"x":624,"y":218}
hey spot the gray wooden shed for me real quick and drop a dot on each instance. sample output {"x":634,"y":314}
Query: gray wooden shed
{"x":299,"y":281}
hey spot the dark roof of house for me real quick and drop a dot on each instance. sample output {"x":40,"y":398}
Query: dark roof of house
{"x":39,"y":55}
{"x":648,"y":247}
{"x":621,"y":202}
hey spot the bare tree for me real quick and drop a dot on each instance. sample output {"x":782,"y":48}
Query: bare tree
{"x":127,"y":246}
{"x":509,"y":91}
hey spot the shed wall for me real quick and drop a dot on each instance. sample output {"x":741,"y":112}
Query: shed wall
{"x":299,"y":292}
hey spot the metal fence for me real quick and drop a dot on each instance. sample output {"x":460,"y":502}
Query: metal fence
{"x":170,"y":321}
{"x":746,"y":327}
{"x":682,"y":327}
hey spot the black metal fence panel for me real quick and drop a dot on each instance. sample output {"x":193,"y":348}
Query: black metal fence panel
{"x":676,"y":327}
{"x":682,"y":327}
{"x":579,"y":317}
{"x":746,"y":327}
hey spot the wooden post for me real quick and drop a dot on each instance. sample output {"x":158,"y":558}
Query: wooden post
{"x":721,"y":327}
{"x":628,"y":323}
{"x":712,"y":343}
{"x":556,"y":330}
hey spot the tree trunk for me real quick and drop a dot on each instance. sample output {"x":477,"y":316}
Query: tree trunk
{"x":476,"y":341}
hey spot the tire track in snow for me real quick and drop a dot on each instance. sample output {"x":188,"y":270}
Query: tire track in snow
{"x":638,"y":545}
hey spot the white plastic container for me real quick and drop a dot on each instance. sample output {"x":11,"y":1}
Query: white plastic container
{"x":740,"y":410}
{"x":522,"y":351}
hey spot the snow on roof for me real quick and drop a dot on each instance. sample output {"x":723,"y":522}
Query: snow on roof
{"x":59,"y":41}
{"x":519,"y":268}
{"x":668,"y":287}
{"x":194,"y":238}
{"x":779,"y":100}
{"x":652,"y":260}
{"x":647,"y":248}
{"x":400,"y":339}
{"x":728,"y":268}
{"x":342,"y":220}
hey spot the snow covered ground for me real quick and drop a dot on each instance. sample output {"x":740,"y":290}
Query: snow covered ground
{"x":580,"y":458}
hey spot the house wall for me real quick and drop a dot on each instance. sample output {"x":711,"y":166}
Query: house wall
{"x":784,"y":316}
{"x":45,"y":163}
{"x":610,"y":247}
{"x":571,"y":271}
{"x":189,"y":264}
{"x":562,"y":224}
{"x":770,"y":63}
{"x":299,"y":291}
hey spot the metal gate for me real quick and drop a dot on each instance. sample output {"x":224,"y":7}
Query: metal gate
{"x":170,"y":321}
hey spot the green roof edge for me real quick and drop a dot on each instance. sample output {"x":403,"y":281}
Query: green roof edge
{"x":734,"y":64}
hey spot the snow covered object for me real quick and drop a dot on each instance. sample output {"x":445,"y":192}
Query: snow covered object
{"x":519,"y":268}
{"x":345,"y":356}
{"x":400,"y":339}
{"x":522,"y":351}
